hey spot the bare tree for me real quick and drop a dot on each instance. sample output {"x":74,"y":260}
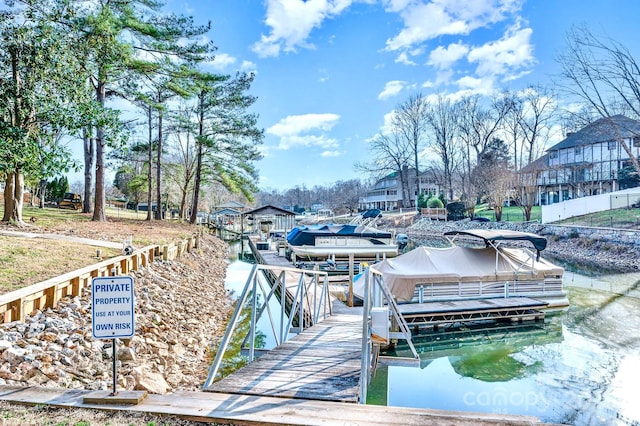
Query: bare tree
{"x":604,"y":74}
{"x":537,"y":117}
{"x":180,"y":170}
{"x":410,"y":121}
{"x":391,"y":153}
{"x":477,"y":127}
{"x":494,"y":176}
{"x":442,"y":120}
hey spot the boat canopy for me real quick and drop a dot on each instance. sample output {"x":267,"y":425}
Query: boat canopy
{"x":306,"y":235}
{"x":490,"y":235}
{"x":428,"y":265}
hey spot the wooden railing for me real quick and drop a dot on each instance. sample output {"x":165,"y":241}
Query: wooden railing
{"x":17,"y":305}
{"x":434,"y":213}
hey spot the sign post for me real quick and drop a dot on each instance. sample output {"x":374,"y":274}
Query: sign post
{"x":112,"y":311}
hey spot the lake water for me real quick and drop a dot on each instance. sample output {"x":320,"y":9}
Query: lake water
{"x":581,"y":366}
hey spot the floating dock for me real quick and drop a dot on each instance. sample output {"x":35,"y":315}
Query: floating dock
{"x":436,"y":314}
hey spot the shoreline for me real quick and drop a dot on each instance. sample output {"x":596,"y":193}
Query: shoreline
{"x":585,"y":253}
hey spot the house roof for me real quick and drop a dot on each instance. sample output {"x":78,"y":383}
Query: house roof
{"x":232,"y":205}
{"x":269,"y":210}
{"x":541,"y":163}
{"x":602,"y":130}
{"x":227,"y":211}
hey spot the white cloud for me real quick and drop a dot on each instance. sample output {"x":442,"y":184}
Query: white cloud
{"x":392,"y":88}
{"x":425,"y":21}
{"x":248,"y":66}
{"x":482,"y":85}
{"x":305,"y":130}
{"x":331,"y":154}
{"x":292,"y":21}
{"x":443,"y":57}
{"x":403,"y":58}
{"x":222,"y":61}
{"x":509,"y":54}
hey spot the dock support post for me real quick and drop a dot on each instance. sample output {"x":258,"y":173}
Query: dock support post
{"x":351,"y":260}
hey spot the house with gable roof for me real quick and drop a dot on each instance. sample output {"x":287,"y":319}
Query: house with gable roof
{"x":586,"y":162}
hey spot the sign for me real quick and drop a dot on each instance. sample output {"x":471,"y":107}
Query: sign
{"x":112,"y":307}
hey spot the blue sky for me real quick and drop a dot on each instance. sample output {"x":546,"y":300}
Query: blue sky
{"x":328,"y":72}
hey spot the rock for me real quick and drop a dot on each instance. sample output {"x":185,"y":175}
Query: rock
{"x":13,"y":355}
{"x":151,"y":382}
{"x":126,"y":354}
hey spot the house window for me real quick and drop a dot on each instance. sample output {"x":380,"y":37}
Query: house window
{"x":636,"y":141}
{"x":611,"y":145}
{"x":553,"y":155}
{"x":577,"y":150}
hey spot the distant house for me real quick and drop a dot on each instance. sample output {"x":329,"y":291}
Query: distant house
{"x":586,"y":162}
{"x":233,"y":205}
{"x":386,"y":193}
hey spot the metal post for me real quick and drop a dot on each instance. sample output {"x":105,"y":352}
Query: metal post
{"x":114,"y":392}
{"x":365,"y":361}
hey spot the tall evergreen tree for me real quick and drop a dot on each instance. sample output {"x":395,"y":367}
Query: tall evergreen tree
{"x":227,"y":136}
{"x":116,"y":39}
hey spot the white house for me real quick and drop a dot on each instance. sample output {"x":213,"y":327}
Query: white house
{"x":586,"y":162}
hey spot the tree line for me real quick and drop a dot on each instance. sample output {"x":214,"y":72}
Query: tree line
{"x":485,"y":148}
{"x":65,"y":65}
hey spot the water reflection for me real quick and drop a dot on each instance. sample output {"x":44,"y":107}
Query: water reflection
{"x":580,"y":367}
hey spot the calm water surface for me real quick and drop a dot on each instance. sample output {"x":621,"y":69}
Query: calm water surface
{"x":581,"y":367}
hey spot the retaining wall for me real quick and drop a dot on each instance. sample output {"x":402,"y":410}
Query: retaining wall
{"x":17,"y":305}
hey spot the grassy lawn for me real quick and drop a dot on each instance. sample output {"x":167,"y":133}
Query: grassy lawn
{"x":618,"y":218}
{"x":26,"y":261}
{"x":509,"y":214}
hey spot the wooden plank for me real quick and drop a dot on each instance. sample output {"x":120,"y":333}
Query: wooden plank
{"x":254,"y":410}
{"x":313,"y":365}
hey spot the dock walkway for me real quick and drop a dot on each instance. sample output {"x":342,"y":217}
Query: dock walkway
{"x":323,"y":363}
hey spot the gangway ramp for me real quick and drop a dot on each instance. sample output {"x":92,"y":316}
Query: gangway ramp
{"x":323,"y":363}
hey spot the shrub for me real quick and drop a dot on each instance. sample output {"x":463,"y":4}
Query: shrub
{"x":456,"y":211}
{"x":434,"y":203}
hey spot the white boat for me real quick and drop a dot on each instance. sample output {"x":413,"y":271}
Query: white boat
{"x":323,"y":241}
{"x":458,"y":272}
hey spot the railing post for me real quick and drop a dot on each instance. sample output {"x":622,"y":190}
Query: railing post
{"x":365,"y":361}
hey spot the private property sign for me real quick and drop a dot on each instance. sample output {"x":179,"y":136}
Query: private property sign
{"x":112,"y":307}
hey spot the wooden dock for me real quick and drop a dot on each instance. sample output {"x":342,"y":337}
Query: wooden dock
{"x":323,"y":363}
{"x":218,"y":408}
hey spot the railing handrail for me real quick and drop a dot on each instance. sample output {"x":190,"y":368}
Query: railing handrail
{"x":373,"y":296}
{"x":251,"y":286}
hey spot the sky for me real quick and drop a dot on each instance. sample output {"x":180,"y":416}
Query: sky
{"x":330,"y":72}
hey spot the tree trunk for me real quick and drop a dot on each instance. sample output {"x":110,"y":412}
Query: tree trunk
{"x":42,"y":192}
{"x":13,"y":200}
{"x":196,"y":187}
{"x":150,"y":162}
{"x":89,"y":151}
{"x":99,"y":202}
{"x":159,"y":208}
{"x":8,"y":197}
{"x":193,"y":217}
